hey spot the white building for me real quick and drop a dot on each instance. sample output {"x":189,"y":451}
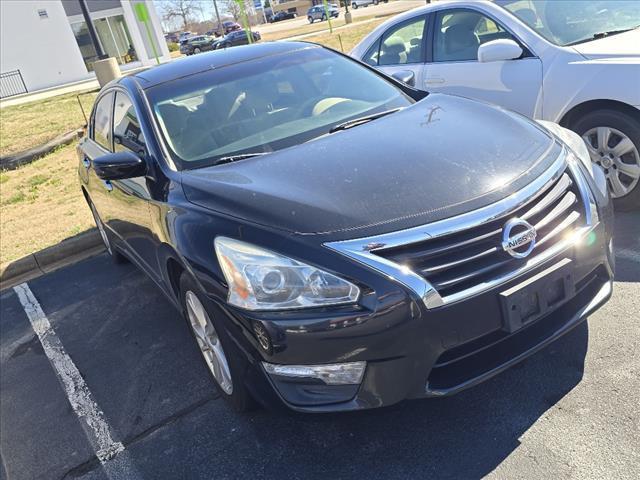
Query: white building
{"x":47,"y":43}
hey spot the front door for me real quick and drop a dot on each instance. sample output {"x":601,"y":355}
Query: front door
{"x":401,"y":48}
{"x":128,"y":208}
{"x":514,"y":84}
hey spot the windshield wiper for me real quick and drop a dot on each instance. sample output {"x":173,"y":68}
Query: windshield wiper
{"x":233,"y":158}
{"x":359,"y":121}
{"x":598,"y":35}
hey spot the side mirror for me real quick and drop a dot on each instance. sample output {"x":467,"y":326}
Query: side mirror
{"x":405,"y":76}
{"x":116,"y":166}
{"x":498,"y":50}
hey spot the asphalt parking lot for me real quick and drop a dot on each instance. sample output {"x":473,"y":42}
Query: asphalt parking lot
{"x":571,"y":411}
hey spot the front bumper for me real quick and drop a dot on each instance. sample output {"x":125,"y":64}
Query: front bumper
{"x":411,"y":351}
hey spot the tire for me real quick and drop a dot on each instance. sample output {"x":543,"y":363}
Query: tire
{"x":324,"y":18}
{"x":116,"y":257}
{"x":624,"y":183}
{"x":310,"y":18}
{"x":354,"y":6}
{"x":375,"y":2}
{"x":230,"y":376}
{"x":196,"y":50}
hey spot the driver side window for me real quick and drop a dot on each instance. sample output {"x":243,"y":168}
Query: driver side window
{"x":400,"y":45}
{"x":459,"y":33}
{"x":127,"y":134}
{"x":101,"y":121}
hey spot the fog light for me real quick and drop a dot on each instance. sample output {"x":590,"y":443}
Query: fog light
{"x":331,"y":374}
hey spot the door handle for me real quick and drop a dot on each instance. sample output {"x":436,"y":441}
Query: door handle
{"x":86,"y":163}
{"x":107,"y":185}
{"x":434,"y":80}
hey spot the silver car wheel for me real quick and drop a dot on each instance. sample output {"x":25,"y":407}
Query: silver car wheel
{"x":209,"y":342}
{"x":103,"y":232}
{"x":617,"y":155}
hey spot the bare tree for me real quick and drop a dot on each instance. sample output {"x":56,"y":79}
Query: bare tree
{"x":233,"y":8}
{"x":183,"y":10}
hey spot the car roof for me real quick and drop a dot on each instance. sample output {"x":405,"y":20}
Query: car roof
{"x":185,"y":67}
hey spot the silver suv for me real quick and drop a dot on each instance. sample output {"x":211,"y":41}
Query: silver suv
{"x":318,"y":12}
{"x":365,"y":3}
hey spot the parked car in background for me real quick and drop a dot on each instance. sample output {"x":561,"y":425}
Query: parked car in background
{"x":365,"y":3}
{"x":337,"y":240}
{"x":575,"y":63}
{"x":229,"y":26}
{"x":184,"y":36}
{"x":197,"y":44}
{"x":319,"y":13}
{"x":235,"y":38}
{"x":282,"y":15}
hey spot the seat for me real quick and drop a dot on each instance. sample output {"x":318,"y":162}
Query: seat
{"x":460,"y":43}
{"x":393,"y":52}
{"x":415,"y":52}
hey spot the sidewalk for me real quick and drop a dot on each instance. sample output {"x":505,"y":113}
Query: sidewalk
{"x":82,"y":85}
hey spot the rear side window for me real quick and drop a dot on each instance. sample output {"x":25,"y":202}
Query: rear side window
{"x":102,"y":121}
{"x":127,"y":134}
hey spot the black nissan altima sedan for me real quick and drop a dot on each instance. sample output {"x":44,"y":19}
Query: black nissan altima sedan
{"x":337,"y":240}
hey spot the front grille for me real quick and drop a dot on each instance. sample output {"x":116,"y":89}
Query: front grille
{"x":455,"y":262}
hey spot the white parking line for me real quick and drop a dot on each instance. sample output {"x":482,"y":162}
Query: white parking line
{"x":79,"y":395}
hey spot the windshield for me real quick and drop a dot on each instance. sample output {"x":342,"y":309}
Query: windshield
{"x":266,"y":104}
{"x":567,"y":22}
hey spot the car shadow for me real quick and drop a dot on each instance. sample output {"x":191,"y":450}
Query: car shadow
{"x":626,"y":242}
{"x":464,"y":436}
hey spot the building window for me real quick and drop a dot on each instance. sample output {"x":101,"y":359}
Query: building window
{"x":113,"y":35}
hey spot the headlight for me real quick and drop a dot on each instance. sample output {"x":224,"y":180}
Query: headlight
{"x":573,"y":141}
{"x":262,"y":280}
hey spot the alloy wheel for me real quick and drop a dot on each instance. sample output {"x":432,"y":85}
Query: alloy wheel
{"x":208,"y":342}
{"x":617,"y":155}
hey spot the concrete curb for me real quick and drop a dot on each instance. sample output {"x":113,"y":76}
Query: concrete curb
{"x":11,"y":162}
{"x":66,"y":252}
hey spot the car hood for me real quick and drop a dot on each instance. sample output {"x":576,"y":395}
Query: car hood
{"x":622,"y":45}
{"x":440,"y":157}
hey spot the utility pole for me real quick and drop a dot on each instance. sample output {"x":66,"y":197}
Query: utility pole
{"x":105,"y":67}
{"x":92,"y":30}
{"x":215,"y":6}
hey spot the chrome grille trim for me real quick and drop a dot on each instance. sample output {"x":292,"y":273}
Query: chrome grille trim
{"x":366,"y":250}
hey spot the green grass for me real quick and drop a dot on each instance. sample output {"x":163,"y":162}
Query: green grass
{"x":346,"y":38}
{"x":31,"y":124}
{"x":37,"y":179}
{"x":41,"y":204}
{"x":316,"y":26}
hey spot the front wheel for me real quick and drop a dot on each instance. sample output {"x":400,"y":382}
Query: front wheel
{"x":324,"y":18}
{"x":354,"y":6}
{"x":310,"y":19}
{"x":223,"y":361}
{"x":196,"y":50}
{"x":613,"y":141}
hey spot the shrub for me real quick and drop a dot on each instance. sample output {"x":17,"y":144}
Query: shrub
{"x":173,"y":46}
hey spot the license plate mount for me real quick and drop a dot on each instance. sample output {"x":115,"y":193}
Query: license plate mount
{"x":539,"y":295}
